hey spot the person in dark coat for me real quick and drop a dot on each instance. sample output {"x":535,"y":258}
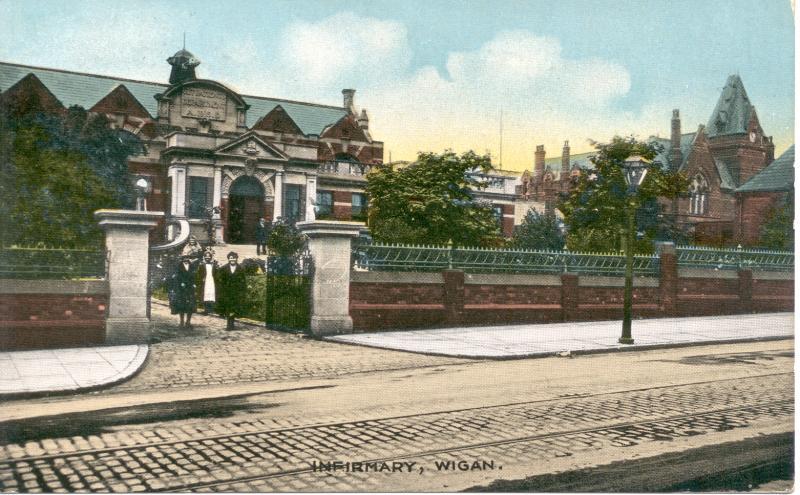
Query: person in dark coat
{"x":262,"y":234}
{"x":181,"y":292}
{"x":231,"y":289}
{"x":205,"y":281}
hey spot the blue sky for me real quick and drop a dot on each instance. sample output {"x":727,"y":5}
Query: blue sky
{"x":437,"y":74}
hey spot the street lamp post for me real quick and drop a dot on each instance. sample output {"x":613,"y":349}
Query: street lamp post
{"x":635,"y":169}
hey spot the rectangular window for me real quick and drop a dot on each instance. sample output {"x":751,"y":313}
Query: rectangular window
{"x":293,"y":202}
{"x":199,"y":197}
{"x":498,"y":214}
{"x":324,"y":208}
{"x":360,"y":206}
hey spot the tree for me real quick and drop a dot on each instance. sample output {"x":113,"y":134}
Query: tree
{"x":431,"y":201}
{"x":538,"y":231}
{"x":56,"y":171}
{"x":778,"y":231}
{"x":595,"y":209}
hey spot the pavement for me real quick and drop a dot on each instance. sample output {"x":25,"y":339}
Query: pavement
{"x":68,"y":370}
{"x":517,"y":341}
{"x":209,"y":356}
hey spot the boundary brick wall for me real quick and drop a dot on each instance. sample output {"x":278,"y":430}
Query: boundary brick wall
{"x":41,"y":314}
{"x":394,"y":300}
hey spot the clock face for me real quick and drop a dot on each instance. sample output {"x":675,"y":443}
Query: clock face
{"x":752,"y":137}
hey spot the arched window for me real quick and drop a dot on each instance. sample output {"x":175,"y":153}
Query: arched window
{"x":698,"y":195}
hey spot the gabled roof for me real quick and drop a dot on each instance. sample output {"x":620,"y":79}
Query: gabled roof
{"x":733,"y":110}
{"x":686,"y":146}
{"x":777,"y":176}
{"x":75,"y":88}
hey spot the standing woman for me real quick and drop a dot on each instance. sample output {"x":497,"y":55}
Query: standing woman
{"x":231,"y":289}
{"x":181,"y":292}
{"x":262,"y":234}
{"x":206,"y":286}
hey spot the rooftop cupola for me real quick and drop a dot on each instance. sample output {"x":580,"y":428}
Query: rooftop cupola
{"x":183,"y":64}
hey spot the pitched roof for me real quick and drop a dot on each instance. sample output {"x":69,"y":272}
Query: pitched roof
{"x":733,"y":110}
{"x":686,"y":146}
{"x":726,"y":179}
{"x":777,"y":176}
{"x":75,"y":88}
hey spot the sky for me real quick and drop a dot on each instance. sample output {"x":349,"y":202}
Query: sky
{"x":440,"y":74}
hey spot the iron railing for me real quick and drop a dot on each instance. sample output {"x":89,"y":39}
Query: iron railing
{"x":398,"y":257}
{"x":735,"y":259}
{"x":38,"y":263}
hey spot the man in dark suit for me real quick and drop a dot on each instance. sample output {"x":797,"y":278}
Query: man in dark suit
{"x":262,"y":234}
{"x":231,"y":289}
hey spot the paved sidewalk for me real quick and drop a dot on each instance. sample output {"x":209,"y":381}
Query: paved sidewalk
{"x":68,"y":370}
{"x":511,"y":341}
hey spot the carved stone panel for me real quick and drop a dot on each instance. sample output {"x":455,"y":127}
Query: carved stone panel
{"x":204,"y":103}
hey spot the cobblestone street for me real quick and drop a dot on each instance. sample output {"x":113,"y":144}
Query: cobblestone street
{"x":416,"y":426}
{"x":208,"y":355}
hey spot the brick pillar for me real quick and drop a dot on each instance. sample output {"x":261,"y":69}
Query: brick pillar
{"x":668,"y":278}
{"x":453,"y":296}
{"x":329,"y":245}
{"x":746,"y":291}
{"x":128,"y":244}
{"x":569,"y":296}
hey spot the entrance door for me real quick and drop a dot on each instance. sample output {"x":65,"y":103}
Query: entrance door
{"x":245,"y":207}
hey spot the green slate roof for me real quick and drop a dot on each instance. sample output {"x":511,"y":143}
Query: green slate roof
{"x":686,"y":146}
{"x":726,"y":180}
{"x":74,"y":88}
{"x":777,"y":176}
{"x":580,"y":160}
{"x":733,"y":110}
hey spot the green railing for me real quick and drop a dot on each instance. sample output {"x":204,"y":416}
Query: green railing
{"x":735,"y":259}
{"x":36,"y":263}
{"x":397,"y":257}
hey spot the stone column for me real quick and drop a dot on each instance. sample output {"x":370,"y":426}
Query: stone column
{"x":311,"y":197}
{"x":329,"y":244}
{"x":127,"y":243}
{"x":217,"y":202}
{"x":179,"y":191}
{"x":277,"y":207}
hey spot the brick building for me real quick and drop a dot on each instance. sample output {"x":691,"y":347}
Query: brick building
{"x":718,"y":158}
{"x":769,"y":189}
{"x":209,"y":146}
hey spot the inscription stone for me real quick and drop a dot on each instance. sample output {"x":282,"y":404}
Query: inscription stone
{"x":199,"y":103}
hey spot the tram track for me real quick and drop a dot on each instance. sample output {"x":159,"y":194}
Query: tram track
{"x":218,"y":461}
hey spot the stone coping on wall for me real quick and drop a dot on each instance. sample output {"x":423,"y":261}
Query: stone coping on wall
{"x":761,"y":275}
{"x":397,"y":277}
{"x":603,"y":281}
{"x":16,"y":286}
{"x":706,"y":273}
{"x":512,"y":279}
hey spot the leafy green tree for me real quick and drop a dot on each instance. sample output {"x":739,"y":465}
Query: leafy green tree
{"x":431,"y":201}
{"x":595,"y":209}
{"x":538,"y":231}
{"x":778,"y":231}
{"x":56,"y":171}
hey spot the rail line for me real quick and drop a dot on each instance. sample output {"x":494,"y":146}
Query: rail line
{"x":206,"y":461}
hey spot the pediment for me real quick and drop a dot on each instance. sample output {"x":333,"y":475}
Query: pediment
{"x":251,"y":146}
{"x":120,"y":100}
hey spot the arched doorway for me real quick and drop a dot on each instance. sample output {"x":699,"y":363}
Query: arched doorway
{"x":245,"y":207}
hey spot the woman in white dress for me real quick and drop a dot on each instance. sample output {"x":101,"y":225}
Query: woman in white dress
{"x":206,"y":288}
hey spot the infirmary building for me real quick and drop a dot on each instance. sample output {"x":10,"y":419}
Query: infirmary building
{"x":209,"y":146}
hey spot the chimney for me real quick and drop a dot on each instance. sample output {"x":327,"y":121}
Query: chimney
{"x":538,"y":162}
{"x":565,"y":161}
{"x":363,"y":120}
{"x":675,"y":153}
{"x":349,"y":100}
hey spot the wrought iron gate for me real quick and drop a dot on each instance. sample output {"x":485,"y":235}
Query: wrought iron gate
{"x":288,"y":292}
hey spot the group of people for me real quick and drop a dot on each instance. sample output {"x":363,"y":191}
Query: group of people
{"x":200,"y":279}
